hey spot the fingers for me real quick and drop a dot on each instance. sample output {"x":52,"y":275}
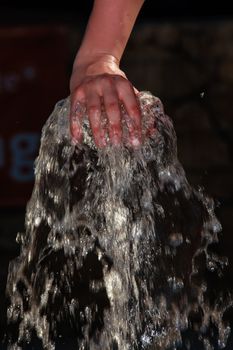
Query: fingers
{"x":94,"y":112}
{"x":127,"y":95}
{"x":112,"y":108}
{"x":113,"y":89}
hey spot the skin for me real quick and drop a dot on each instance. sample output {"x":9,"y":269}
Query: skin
{"x":97,"y":78}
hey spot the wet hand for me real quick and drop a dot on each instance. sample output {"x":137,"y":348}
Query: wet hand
{"x":100,"y":80}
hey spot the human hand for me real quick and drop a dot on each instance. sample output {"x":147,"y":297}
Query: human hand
{"x":99,"y":80}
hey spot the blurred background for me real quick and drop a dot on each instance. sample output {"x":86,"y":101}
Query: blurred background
{"x":181,"y":51}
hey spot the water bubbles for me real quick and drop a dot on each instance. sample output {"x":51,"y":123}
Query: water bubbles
{"x":37,"y":221}
{"x":88,"y":314}
{"x":48,"y":167}
{"x":202,"y":94}
{"x":148,"y":153}
{"x":146,"y":340}
{"x":114,"y":285}
{"x":119,"y":218}
{"x":104,"y":244}
{"x":176,"y":284}
{"x":49,"y":220}
{"x":224,"y":335}
{"x":216,"y":226}
{"x":160,"y":210}
{"x":19,"y":237}
{"x":211,"y":266}
{"x":175,"y":239}
{"x":207,"y":345}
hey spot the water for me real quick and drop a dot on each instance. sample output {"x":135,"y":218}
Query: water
{"x":116,"y":247}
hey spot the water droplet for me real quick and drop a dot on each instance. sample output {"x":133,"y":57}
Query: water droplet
{"x":175,"y":239}
{"x":37,"y":221}
{"x":176,"y":284}
{"x":202,"y":94}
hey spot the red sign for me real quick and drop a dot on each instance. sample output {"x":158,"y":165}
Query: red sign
{"x":33,"y":77}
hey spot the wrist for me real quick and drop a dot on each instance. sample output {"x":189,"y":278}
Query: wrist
{"x":91,"y":61}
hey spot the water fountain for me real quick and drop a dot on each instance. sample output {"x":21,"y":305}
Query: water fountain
{"x":116,"y":247}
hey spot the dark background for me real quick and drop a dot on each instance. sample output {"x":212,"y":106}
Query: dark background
{"x":72,"y":11}
{"x":182,"y":51}
{"x":151,"y":8}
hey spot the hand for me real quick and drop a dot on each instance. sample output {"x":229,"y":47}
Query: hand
{"x":96,"y":80}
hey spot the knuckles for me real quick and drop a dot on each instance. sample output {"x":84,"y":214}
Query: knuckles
{"x":134,"y":110}
{"x":110,"y":82}
{"x":113,"y":107}
{"x":94,"y":110}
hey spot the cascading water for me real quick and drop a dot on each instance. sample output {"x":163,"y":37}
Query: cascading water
{"x":116,"y":246}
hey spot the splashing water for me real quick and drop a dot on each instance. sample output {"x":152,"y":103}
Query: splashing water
{"x":116,"y":246}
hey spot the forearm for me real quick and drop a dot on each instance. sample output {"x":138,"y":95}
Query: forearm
{"x":97,"y":78}
{"x":108,"y":30}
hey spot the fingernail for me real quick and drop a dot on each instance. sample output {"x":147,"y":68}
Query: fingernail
{"x":76,"y":133}
{"x":101,"y":143}
{"x":135,"y":141}
{"x":115,"y":140}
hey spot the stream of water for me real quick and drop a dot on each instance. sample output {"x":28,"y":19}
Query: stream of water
{"x":116,"y":247}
